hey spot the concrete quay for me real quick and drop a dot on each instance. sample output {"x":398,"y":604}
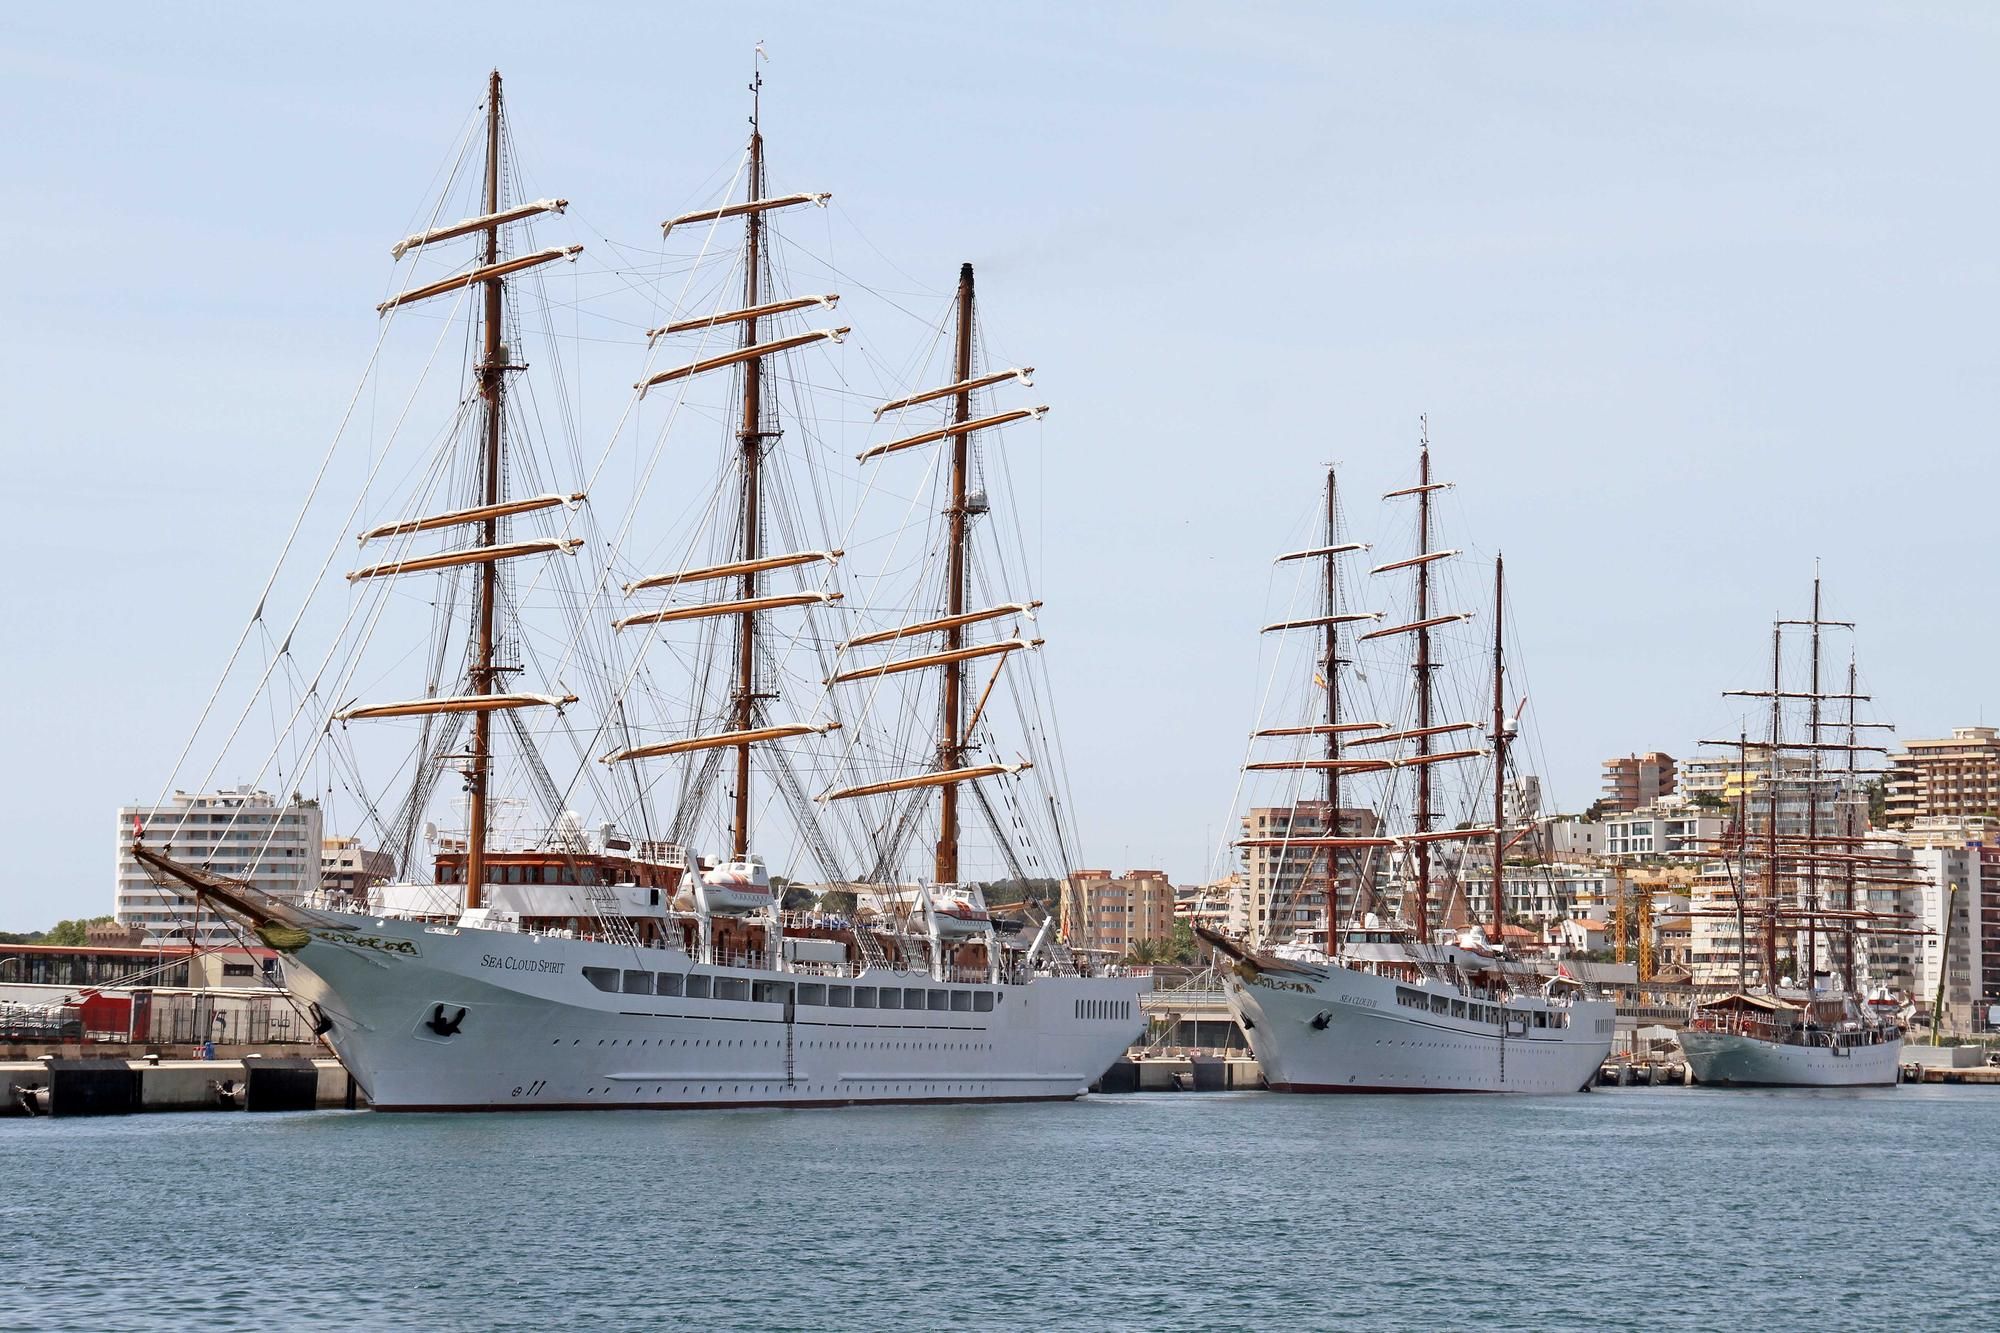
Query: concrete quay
{"x":76,"y":1087}
{"x":1186,"y":1072}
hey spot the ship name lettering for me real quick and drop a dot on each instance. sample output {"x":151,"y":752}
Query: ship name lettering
{"x":379,"y":943}
{"x":1271,"y":984}
{"x":520,"y":964}
{"x":1361,"y":1000}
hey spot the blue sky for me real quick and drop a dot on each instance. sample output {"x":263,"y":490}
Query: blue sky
{"x":1692,"y":295}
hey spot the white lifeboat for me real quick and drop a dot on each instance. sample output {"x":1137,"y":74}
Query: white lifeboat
{"x":955,"y":917}
{"x":735,"y":888}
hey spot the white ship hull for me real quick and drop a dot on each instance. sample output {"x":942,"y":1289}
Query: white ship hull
{"x":1348,"y":1031}
{"x":437,"y":1018}
{"x":1732,"y":1059}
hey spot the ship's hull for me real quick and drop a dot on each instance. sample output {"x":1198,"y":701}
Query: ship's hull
{"x":1341,"y":1030}
{"x":436,"y":1019}
{"x":1731,"y":1059}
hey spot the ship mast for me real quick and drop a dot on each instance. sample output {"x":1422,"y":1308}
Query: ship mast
{"x":951,"y":737}
{"x":1330,"y":608}
{"x":1423,"y":670}
{"x":1771,"y":819}
{"x":1811,"y":893}
{"x":750,"y":438}
{"x":1742,"y":840}
{"x":1849,"y":837}
{"x":492,"y":388}
{"x":1500,"y":739}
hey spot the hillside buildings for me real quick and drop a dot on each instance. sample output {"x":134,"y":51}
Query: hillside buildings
{"x":1953,"y":777}
{"x":1671,"y":827}
{"x":1636,"y":780}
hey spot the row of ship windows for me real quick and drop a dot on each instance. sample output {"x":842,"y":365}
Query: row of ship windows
{"x":1473,"y":1009}
{"x":631,"y":981}
{"x":1120,"y":1009}
{"x":804,"y":1045}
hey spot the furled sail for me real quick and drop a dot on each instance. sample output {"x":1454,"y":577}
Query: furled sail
{"x":1342,"y":549}
{"x":941,"y":623}
{"x":469,"y":225}
{"x":1415,"y":732}
{"x":1429,"y":622}
{"x":829,"y":301}
{"x":749,"y":353}
{"x":947,"y":432}
{"x":486,"y":273}
{"x":470,"y":555}
{"x":730,"y":570}
{"x":1315,"y":622}
{"x":1426,"y":558}
{"x":455,"y":703}
{"x":724,"y":740}
{"x":749,"y":206}
{"x":744,"y":606}
{"x":948,"y":778}
{"x":934,"y":659}
{"x":477,"y":514}
{"x":1321,"y":729}
{"x":1025,"y":374}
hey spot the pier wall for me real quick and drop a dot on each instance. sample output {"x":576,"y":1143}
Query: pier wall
{"x":126,"y":1087}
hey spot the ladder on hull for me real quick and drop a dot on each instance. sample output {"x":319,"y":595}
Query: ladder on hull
{"x":871,"y":949}
{"x":610,"y":914}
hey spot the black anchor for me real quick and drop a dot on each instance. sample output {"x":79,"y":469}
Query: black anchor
{"x":444,"y":1027}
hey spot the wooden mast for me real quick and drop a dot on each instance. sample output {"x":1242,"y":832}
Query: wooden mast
{"x":1422,"y":668}
{"x":1848,"y":833}
{"x":1771,"y":817}
{"x":492,"y":387}
{"x":951,"y":741}
{"x":751,"y":439}
{"x":1812,"y":807}
{"x":1330,"y":608}
{"x":1500,"y":738}
{"x":1742,"y":840}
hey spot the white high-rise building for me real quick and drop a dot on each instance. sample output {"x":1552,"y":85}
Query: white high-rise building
{"x":244,"y":834}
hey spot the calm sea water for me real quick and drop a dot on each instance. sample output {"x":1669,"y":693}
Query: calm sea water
{"x":1667,"y":1208}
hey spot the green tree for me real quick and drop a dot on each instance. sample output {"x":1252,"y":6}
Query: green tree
{"x":840,"y":902}
{"x":72,"y":932}
{"x":1878,"y":800}
{"x":1182,"y":943}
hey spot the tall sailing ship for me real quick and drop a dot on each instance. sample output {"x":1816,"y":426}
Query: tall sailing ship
{"x":1385,"y":1000}
{"x":1800,"y":883}
{"x":619,"y":967}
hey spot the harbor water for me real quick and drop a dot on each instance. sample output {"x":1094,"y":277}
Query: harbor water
{"x":1641,"y":1208}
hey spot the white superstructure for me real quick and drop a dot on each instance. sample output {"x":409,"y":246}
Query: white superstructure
{"x":1388,"y":1016}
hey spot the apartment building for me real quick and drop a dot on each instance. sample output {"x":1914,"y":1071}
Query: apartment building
{"x":1119,"y":911}
{"x":1286,"y":884}
{"x":1634,"y":781}
{"x":245,"y":834}
{"x":1950,"y":778}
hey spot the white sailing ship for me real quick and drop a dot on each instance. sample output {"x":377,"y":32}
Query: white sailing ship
{"x":569,"y":968}
{"x":1402,"y":1005}
{"x":1803,"y":879}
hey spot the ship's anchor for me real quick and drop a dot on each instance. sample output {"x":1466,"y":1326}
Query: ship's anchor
{"x":321,"y":1024}
{"x":1320,"y":1020}
{"x":444,"y":1027}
